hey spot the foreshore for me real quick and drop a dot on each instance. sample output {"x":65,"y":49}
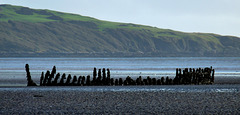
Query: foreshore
{"x":38,"y":100}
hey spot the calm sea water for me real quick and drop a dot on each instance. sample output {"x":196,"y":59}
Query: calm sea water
{"x":14,"y":68}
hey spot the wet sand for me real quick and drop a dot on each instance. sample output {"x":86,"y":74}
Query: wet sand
{"x":121,"y":102}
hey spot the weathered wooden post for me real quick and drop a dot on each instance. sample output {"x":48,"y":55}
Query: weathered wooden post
{"x":158,"y":82}
{"x":74,"y":80}
{"x":197,"y":78}
{"x":120,"y":81}
{"x":149,"y":80}
{"x":176,"y":80}
{"x":29,"y":78}
{"x":162,"y":81}
{"x":133,"y":82}
{"x":53,"y":72}
{"x":68,"y":80}
{"x":194,"y":77}
{"x":54,"y":83}
{"x":41,"y":79}
{"x":112,"y":81}
{"x":79,"y":81}
{"x":51,"y":76}
{"x":83,"y":81}
{"x":62,"y":79}
{"x":140,"y":79}
{"x":212,"y":80}
{"x":129,"y":80}
{"x":180,"y":76}
{"x":167,"y":81}
{"x":94,"y":76}
{"x":184,"y":77}
{"x":99,"y":79}
{"x":177,"y":77}
{"x":187,"y":77}
{"x":125,"y":83}
{"x":104,"y":77}
{"x":154,"y":81}
{"x":108,"y":76}
{"x":200,"y":77}
{"x":177,"y":72}
{"x":190,"y":76}
{"x":137,"y":81}
{"x":145,"y":82}
{"x":88,"y":82}
{"x":170,"y":81}
{"x":46,"y":78}
{"x":116,"y":82}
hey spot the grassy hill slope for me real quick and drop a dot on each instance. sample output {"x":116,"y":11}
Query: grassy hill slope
{"x":32,"y":32}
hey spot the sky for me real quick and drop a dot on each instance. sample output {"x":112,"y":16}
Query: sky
{"x":205,"y":16}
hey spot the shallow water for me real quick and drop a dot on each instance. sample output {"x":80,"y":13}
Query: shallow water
{"x":12,"y":70}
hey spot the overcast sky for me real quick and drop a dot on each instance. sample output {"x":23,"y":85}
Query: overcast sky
{"x":208,"y":16}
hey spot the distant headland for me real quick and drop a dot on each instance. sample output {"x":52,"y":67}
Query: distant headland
{"x":27,"y":32}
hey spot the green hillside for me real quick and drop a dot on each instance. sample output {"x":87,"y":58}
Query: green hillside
{"x":34,"y":32}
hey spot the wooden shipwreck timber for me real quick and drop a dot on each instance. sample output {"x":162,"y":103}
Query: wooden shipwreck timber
{"x":187,"y":76}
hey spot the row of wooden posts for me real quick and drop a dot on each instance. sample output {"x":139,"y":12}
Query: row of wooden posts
{"x":101,"y":78}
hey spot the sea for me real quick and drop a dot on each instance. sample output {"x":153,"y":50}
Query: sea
{"x":12,"y":70}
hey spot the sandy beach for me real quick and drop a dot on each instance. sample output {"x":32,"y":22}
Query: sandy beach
{"x":40,"y":101}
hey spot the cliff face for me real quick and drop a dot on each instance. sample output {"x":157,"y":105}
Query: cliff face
{"x":30,"y":32}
